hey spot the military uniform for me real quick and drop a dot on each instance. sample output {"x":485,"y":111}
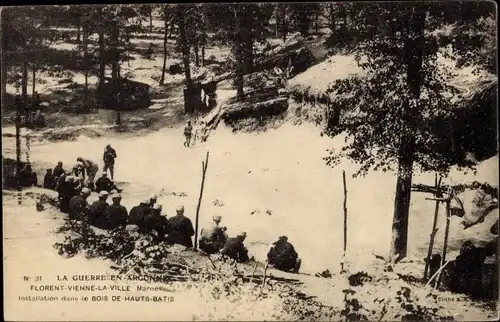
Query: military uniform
{"x":115,"y":216}
{"x":96,"y":213}
{"x":58,"y":171}
{"x":283,"y":256}
{"x":108,"y":158}
{"x":66,"y":191}
{"x":156,"y":222}
{"x":235,"y":249}
{"x":78,"y":207}
{"x":212,"y":239}
{"x":104,"y":184}
{"x":48,"y":180}
{"x":138,"y":214}
{"x":180,"y":229}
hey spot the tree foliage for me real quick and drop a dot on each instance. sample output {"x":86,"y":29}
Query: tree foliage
{"x":404,"y":93}
{"x":377,"y":98}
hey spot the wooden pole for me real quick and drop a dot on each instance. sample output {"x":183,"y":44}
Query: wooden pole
{"x":204,"y":165}
{"x":434,"y":224}
{"x":345,"y":222}
{"x":263,"y":280}
{"x":446,"y":232}
{"x":18,"y":156}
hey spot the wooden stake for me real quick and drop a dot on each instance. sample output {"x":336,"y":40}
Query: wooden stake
{"x":263,"y":280}
{"x":434,"y":224}
{"x":446,"y":232}
{"x":345,"y":222}
{"x":436,"y":273}
{"x":18,"y":155}
{"x":204,"y":165}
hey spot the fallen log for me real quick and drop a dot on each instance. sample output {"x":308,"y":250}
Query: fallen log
{"x":244,"y":109}
{"x":256,"y":95}
{"x":299,"y":54}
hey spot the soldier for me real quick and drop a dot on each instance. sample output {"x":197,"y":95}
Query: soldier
{"x":49,"y":180}
{"x":57,"y":173}
{"x":28,"y":177}
{"x":78,"y":206}
{"x":115,"y":215}
{"x":78,"y":170}
{"x":66,"y":191}
{"x":214,"y":237}
{"x":109,"y":157}
{"x":180,"y":229}
{"x":283,"y":256}
{"x":153,"y":200}
{"x":104,"y":183}
{"x":155,"y":223}
{"x":188,"y":132}
{"x":97,"y":209}
{"x":235,"y":249}
{"x":138,"y":214}
{"x":91,"y":168}
{"x":58,"y":170}
{"x":203,"y":131}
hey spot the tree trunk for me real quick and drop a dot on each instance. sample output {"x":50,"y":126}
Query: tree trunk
{"x":102,"y":65}
{"x":24,"y":89}
{"x":33,"y":85}
{"x":196,"y":55}
{"x":332,"y":18}
{"x":3,"y":66}
{"x":189,"y":106}
{"x":285,"y":28}
{"x":165,"y":41}
{"x":115,"y":69}
{"x":78,"y":28}
{"x":151,"y":21}
{"x":247,"y":53}
{"x":402,"y":202}
{"x":240,"y":94}
{"x":414,"y":46}
{"x":203,"y":54}
{"x":85,"y":63}
{"x":116,"y":58}
{"x":316,"y":21}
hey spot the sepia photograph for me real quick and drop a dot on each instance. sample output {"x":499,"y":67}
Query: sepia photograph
{"x":262,"y":161}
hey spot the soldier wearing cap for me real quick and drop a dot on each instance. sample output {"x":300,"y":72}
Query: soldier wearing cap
{"x":235,"y":249}
{"x":108,"y":158}
{"x":66,"y":191}
{"x":78,"y":169}
{"x":283,"y":256}
{"x":97,"y":209}
{"x":155,"y":223}
{"x":91,"y":168}
{"x":78,"y":206}
{"x":180,"y":229}
{"x":153,"y":200}
{"x":138,"y":214}
{"x":115,"y":215}
{"x":58,"y":170}
{"x":213,"y":237}
{"x":104,"y":183}
{"x":49,"y":180}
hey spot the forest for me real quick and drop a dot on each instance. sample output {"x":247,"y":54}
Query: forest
{"x":409,"y":88}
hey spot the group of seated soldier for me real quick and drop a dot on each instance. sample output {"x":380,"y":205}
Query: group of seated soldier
{"x":148,"y":218}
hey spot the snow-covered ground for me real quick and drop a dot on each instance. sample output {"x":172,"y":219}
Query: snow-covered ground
{"x":266,"y":184}
{"x":270,"y":183}
{"x":319,"y":77}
